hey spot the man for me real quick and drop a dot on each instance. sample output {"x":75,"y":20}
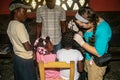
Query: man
{"x":23,"y":63}
{"x":51,"y":22}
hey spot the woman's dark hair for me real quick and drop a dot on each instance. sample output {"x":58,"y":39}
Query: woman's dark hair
{"x":87,"y":13}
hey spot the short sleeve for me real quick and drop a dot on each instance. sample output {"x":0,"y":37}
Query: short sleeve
{"x":63,"y":15}
{"x":103,"y":36}
{"x":38,"y":15}
{"x":21,"y":32}
{"x":80,"y":56}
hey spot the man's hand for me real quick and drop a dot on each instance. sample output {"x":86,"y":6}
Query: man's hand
{"x":28,"y":46}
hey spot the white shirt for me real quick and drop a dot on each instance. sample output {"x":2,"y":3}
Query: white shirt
{"x":18,"y":35}
{"x":69,"y":55}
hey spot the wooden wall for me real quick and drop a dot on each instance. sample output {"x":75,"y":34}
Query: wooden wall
{"x":105,"y":5}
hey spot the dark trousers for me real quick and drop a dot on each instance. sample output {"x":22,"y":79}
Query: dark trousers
{"x":24,"y":69}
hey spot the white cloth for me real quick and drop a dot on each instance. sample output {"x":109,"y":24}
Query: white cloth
{"x":73,"y":26}
{"x":67,"y":56}
{"x":79,"y":17}
{"x":78,"y":38}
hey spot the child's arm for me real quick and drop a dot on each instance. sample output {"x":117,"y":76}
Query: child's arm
{"x":56,"y":59}
{"x":80,"y":66}
{"x":83,"y":74}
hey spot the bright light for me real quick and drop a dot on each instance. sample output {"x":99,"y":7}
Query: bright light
{"x":61,"y":3}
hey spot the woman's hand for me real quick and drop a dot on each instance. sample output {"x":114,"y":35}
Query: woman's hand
{"x":80,"y":33}
{"x":73,"y":26}
{"x":78,"y":38}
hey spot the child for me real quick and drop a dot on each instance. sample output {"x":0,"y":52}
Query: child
{"x":69,"y":54}
{"x":44,"y":53}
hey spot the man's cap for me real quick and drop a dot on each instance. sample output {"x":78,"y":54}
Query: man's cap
{"x":79,"y":17}
{"x":17,"y":5}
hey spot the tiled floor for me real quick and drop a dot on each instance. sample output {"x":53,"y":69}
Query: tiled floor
{"x":113,"y":71}
{"x":6,"y":71}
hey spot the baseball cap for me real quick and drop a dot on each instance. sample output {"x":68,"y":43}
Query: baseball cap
{"x":79,"y":17}
{"x":17,"y":5}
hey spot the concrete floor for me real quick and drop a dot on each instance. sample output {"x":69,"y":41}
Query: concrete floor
{"x":6,"y":71}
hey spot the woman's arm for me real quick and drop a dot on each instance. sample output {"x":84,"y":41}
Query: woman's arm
{"x":84,"y":45}
{"x":90,"y":49}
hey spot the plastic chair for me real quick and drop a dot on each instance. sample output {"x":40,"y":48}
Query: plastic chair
{"x":42,"y":66}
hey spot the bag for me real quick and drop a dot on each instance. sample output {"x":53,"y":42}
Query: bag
{"x":103,"y":60}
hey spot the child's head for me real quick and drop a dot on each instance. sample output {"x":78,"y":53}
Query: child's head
{"x":49,"y":45}
{"x":44,"y":45}
{"x":67,"y":40}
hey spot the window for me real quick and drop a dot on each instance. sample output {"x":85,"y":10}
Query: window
{"x":68,"y":5}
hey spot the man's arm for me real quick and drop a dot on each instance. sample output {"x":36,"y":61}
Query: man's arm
{"x":38,"y":30}
{"x":27,"y":46}
{"x":63,"y":26}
